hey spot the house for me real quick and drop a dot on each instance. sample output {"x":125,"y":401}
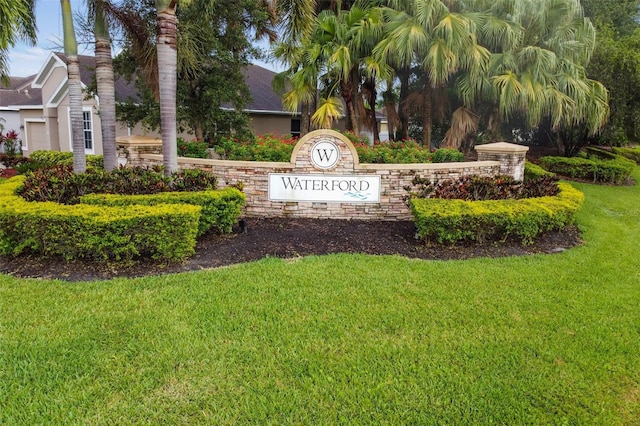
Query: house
{"x":18,"y":95}
{"x":39,"y":106}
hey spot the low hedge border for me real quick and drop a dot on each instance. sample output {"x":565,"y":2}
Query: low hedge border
{"x":160,"y":230}
{"x":220,"y":208}
{"x":611,"y":168}
{"x":63,"y":158}
{"x":533,"y":171}
{"x":449,"y":221}
{"x":632,"y":154}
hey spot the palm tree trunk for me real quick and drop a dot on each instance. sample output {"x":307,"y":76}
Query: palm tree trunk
{"x":305,"y":118}
{"x":167,"y":70}
{"x":372,"y":95}
{"x":75,"y":89}
{"x":403,"y":127}
{"x":426,"y":115}
{"x":106,"y":89}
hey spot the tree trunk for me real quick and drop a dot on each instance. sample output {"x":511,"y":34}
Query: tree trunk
{"x":426,"y":115}
{"x":167,"y":70}
{"x":372,"y":95}
{"x":305,"y":118}
{"x":352,"y":118}
{"x":106,"y":90}
{"x":74,"y":85}
{"x":403,"y":125}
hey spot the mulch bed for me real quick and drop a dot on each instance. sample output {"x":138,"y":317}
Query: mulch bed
{"x":290,"y":238}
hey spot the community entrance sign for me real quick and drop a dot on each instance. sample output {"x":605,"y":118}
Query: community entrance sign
{"x":325,"y":174}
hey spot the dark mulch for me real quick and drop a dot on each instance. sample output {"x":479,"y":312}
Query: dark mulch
{"x":287,"y":238}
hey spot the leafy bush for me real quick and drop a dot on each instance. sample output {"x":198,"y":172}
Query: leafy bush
{"x":162,"y":231}
{"x":192,"y":149}
{"x":61,"y":185}
{"x":13,"y":161}
{"x":405,"y":152}
{"x":262,"y":148}
{"x":477,"y":188}
{"x":599,"y":166}
{"x":271,"y":148}
{"x":449,"y":221}
{"x":220,"y":208}
{"x":58,"y":158}
{"x":533,"y":171}
{"x":11,"y":143}
{"x":630,"y":153}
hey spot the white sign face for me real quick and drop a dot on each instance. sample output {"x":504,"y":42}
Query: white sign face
{"x":325,"y":154}
{"x":324,"y":188}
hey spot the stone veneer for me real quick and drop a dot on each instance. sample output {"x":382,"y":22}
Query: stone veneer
{"x":500,"y":158}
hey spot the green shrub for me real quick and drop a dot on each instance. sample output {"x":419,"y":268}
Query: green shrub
{"x":192,"y":149}
{"x":163,"y":231}
{"x":220,"y":208}
{"x":449,"y":221}
{"x":59,"y":158}
{"x":533,"y":171}
{"x":272,"y":148}
{"x":592,"y":165}
{"x":480,"y":188}
{"x":630,"y":153}
{"x":61,"y":185}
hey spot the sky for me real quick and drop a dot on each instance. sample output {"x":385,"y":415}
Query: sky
{"x":25,"y":60}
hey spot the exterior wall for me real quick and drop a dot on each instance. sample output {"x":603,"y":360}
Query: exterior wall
{"x":52,"y":84}
{"x":32,"y":140}
{"x":10,"y":120}
{"x":255,"y":178}
{"x":274,"y":124}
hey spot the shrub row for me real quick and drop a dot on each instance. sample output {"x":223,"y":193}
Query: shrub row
{"x":164,"y":226}
{"x":220,"y":209}
{"x":480,"y":188}
{"x":192,"y":149}
{"x":630,"y":153}
{"x":596,"y":165}
{"x":58,"y":158}
{"x":449,"y":221}
{"x":533,"y":171}
{"x":61,"y":185}
{"x":271,"y":148}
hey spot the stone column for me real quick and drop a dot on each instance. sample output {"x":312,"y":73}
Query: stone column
{"x":130,"y":148}
{"x":511,"y":157}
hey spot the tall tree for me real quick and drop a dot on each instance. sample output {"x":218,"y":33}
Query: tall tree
{"x":433,"y":38}
{"x":167,"y":47}
{"x":105,"y":83}
{"x":17,"y":22}
{"x":75,"y":89}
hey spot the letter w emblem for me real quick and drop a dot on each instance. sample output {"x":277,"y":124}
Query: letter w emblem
{"x":324,"y":155}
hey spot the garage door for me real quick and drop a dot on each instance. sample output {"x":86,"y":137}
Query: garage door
{"x":36,"y":136}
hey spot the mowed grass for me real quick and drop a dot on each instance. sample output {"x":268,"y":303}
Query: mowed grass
{"x":341,"y":339}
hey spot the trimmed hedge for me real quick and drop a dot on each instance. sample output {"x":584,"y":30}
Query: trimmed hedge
{"x":597,"y":166}
{"x":220,"y":208}
{"x":106,"y":226}
{"x":632,"y":154}
{"x":163,"y":231}
{"x":59,"y":158}
{"x":533,"y":171}
{"x":449,"y":221}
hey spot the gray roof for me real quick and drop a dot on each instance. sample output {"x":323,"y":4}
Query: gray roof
{"x":20,"y":92}
{"x":264,"y":98}
{"x":125,"y":90}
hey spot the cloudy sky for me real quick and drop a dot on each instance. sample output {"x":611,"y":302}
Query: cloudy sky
{"x":25,"y":60}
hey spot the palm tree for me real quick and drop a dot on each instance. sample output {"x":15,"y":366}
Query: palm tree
{"x":537,"y":69}
{"x":167,"y":48}
{"x":75,"y":89}
{"x":105,"y":83}
{"x":439,"y":41}
{"x":17,"y":22}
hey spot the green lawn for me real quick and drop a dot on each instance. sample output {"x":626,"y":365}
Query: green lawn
{"x":343,"y":339}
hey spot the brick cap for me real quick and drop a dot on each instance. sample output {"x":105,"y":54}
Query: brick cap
{"x":139,"y":140}
{"x":502,"y":147}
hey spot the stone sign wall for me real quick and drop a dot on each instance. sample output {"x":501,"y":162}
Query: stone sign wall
{"x":325,"y":179}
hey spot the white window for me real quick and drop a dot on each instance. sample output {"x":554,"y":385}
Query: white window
{"x":87,"y":130}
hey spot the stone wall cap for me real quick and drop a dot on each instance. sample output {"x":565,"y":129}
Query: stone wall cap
{"x":504,"y":147}
{"x":138,"y":140}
